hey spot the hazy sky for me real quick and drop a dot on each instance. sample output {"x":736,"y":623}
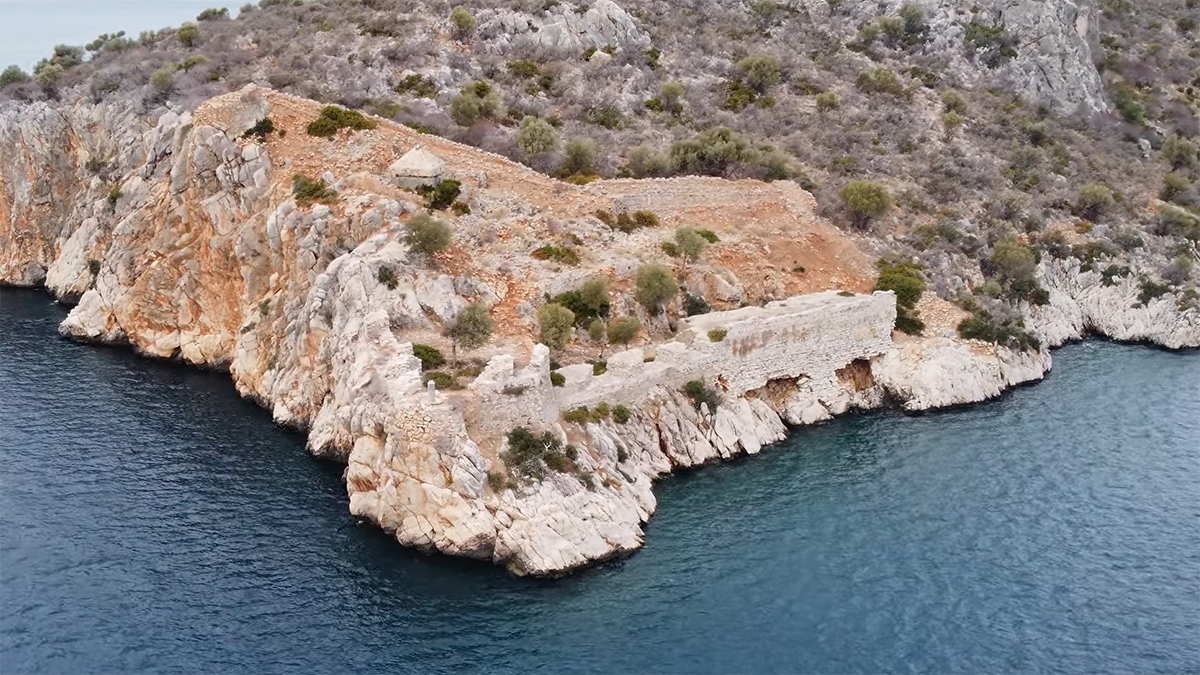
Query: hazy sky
{"x":29,"y":29}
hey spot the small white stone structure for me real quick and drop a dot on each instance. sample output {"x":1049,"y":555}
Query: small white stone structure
{"x":417,"y":168}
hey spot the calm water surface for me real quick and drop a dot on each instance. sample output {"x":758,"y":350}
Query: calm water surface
{"x":151,"y":520}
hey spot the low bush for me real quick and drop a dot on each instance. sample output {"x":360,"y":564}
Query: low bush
{"x":306,"y":191}
{"x":599,"y":367}
{"x":387,"y":277}
{"x":430,"y":357}
{"x":621,"y":414}
{"x":530,"y":454}
{"x":558,"y":379}
{"x":701,"y":393}
{"x":427,"y":235}
{"x":442,"y":195}
{"x":983,"y":326}
{"x":442,"y":380}
{"x":655,"y":284}
{"x":333,"y":118}
{"x":260,"y":129}
{"x":578,"y":415}
{"x":717,"y":334}
{"x":561,"y":254}
{"x":694,"y":305}
{"x":907,"y":282}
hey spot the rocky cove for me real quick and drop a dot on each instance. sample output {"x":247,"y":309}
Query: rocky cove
{"x":180,"y":236}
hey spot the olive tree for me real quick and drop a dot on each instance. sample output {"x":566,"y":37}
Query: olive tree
{"x":655,"y":285}
{"x":554,"y":325}
{"x":689,"y":244}
{"x":471,"y":328}
{"x":623,"y":330}
{"x":536,"y":136}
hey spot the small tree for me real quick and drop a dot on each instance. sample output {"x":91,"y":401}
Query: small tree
{"x":655,"y":285}
{"x":188,"y":34}
{"x":826,"y":102}
{"x":1093,"y":200}
{"x":671,"y":95}
{"x":594,"y":294}
{"x":464,"y":22}
{"x":906,"y":282}
{"x":471,"y":328}
{"x":689,"y":244}
{"x":12,"y":75}
{"x":579,"y":157}
{"x":760,"y":71}
{"x":623,"y":330}
{"x":866,"y":200}
{"x":554,"y":323}
{"x":427,"y":235}
{"x":597,"y":331}
{"x":163,"y":79}
{"x":1179,"y":152}
{"x":536,"y":136}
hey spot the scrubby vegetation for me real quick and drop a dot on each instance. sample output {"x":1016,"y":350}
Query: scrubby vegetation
{"x":427,"y":235}
{"x":306,"y":191}
{"x":906,"y":281}
{"x":333,"y":119}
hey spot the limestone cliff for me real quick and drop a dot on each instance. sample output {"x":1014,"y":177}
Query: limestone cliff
{"x":181,"y":236}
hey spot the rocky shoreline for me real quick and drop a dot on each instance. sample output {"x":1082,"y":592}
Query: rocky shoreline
{"x":192,"y":247}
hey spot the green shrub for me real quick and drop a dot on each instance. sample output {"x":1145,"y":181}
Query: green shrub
{"x":906,"y":281}
{"x":605,"y":115}
{"x":554,"y":325}
{"x":983,"y":326}
{"x":536,"y":136}
{"x":866,"y":200}
{"x":1093,"y":200}
{"x":826,"y":102}
{"x":1126,"y":98}
{"x":260,"y":129}
{"x":188,"y":34}
{"x":600,"y":412}
{"x":497,"y":481}
{"x":717,"y":335}
{"x":387,"y":277}
{"x":578,"y":415}
{"x":599,"y":367}
{"x":760,"y":71}
{"x":427,"y":235}
{"x":430,"y":357}
{"x":669,"y":248}
{"x":1148,"y":290}
{"x":418,"y":85}
{"x":213,"y":14}
{"x":94,"y":266}
{"x":579,"y":157}
{"x":689,"y":243}
{"x":306,"y":191}
{"x":594,"y":294}
{"x":621,"y":415}
{"x":709,"y":236}
{"x":623,"y":329}
{"x":442,"y":380}
{"x":334,"y":118}
{"x":442,"y":195}
{"x":584,"y":309}
{"x":113,"y":195}
{"x":530,"y":454}
{"x":558,"y":379}
{"x":460,"y":208}
{"x":1177,"y":222}
{"x":994,"y":45}
{"x":562,"y":254}
{"x":163,"y":79}
{"x":1174,"y":187}
{"x":699,"y":393}
{"x":695,"y":305}
{"x":12,"y":75}
{"x":880,"y":80}
{"x":1179,"y":152}
{"x":1016,"y":265}
{"x":471,"y":328}
{"x":654,"y":286}
{"x":463,"y":21}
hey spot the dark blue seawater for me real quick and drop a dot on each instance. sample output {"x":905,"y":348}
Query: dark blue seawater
{"x":150,"y":520}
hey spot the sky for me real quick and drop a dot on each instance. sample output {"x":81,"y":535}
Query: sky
{"x":29,"y":29}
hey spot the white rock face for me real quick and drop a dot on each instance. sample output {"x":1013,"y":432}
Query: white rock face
{"x":418,"y":167}
{"x":562,"y":30}
{"x":1056,"y":43}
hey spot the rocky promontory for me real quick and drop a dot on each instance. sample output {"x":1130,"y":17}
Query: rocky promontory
{"x":192,"y":236}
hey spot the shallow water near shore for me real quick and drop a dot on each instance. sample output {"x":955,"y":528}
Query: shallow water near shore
{"x":152,"y":520}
